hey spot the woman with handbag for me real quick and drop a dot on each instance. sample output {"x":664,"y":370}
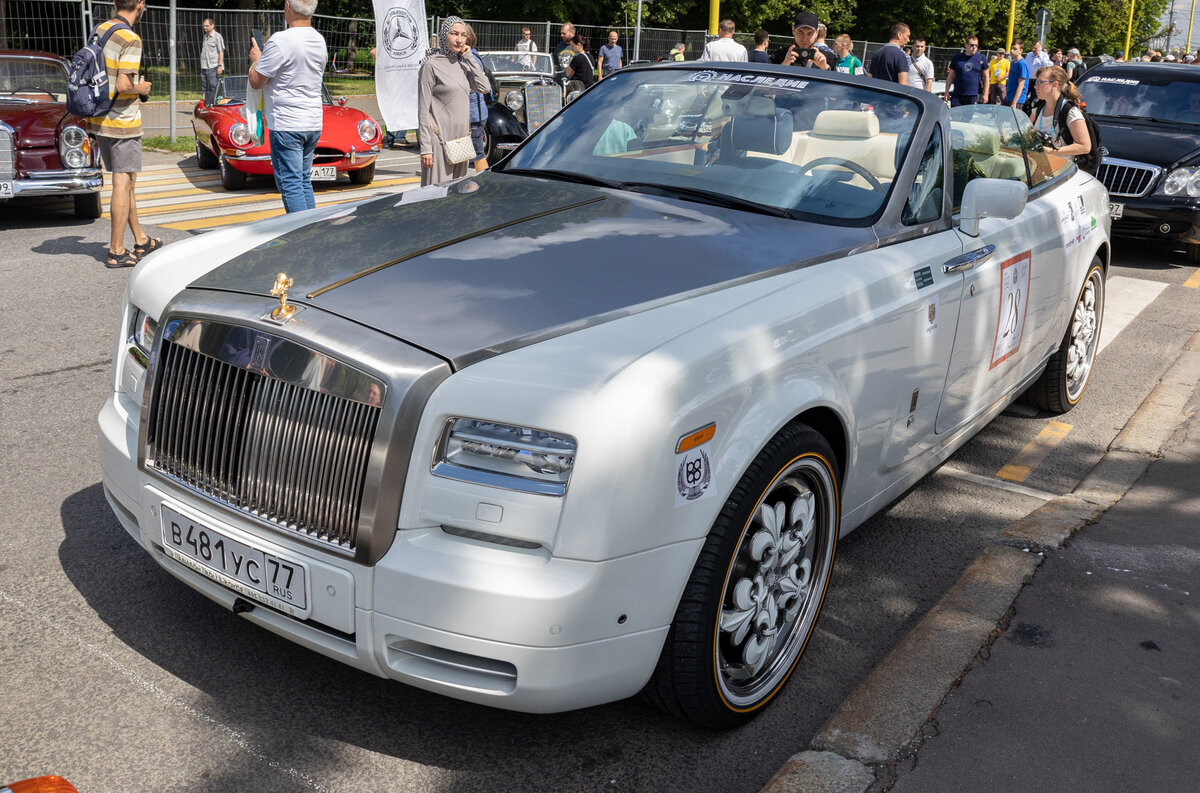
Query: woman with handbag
{"x":443,"y":111}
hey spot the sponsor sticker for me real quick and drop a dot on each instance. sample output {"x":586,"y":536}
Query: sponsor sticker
{"x":923,"y":277}
{"x":710,"y":76}
{"x":693,"y":475}
{"x":1115,"y":80}
{"x":931,"y":316}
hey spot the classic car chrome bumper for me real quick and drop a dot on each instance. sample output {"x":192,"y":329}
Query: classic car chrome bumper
{"x":353,"y":156}
{"x":66,"y":182}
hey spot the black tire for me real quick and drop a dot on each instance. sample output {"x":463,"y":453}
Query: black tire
{"x":708,"y":672}
{"x":1065,"y":378}
{"x":204,"y":156}
{"x":87,"y":206}
{"x":363,"y":176}
{"x":1193,"y":254}
{"x":231,"y":178}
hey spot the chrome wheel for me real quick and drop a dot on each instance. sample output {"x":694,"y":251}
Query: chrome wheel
{"x":776,"y":582}
{"x":1085,"y":334}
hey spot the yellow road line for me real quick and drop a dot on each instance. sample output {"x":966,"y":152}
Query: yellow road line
{"x":244,"y":198}
{"x":1033,"y":454}
{"x":151,"y":183}
{"x":1194,"y":281}
{"x":245,"y":217}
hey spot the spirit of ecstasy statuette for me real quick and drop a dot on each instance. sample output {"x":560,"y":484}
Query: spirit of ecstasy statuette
{"x":280,"y":290}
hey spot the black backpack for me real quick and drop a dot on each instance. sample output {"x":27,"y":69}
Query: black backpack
{"x":87,"y":79}
{"x":1089,"y":162}
{"x":1078,"y":72}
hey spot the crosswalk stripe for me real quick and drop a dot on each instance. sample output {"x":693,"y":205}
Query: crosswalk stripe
{"x":1194,"y":281}
{"x":1125,"y":298}
{"x":245,"y":217}
{"x":167,"y":208}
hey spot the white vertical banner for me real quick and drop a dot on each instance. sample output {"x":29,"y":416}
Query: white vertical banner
{"x":401,"y":42}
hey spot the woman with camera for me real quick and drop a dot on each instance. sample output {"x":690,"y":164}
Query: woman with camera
{"x":1059,"y":118}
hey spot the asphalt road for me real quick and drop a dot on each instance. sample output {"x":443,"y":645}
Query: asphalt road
{"x":120,"y":678}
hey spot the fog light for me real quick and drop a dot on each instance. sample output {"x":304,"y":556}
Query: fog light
{"x":1165,"y":228}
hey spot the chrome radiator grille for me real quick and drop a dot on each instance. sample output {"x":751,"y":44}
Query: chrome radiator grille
{"x":287,"y":454}
{"x":1127,"y":179}
{"x":8,"y":164}
{"x":542,"y":100}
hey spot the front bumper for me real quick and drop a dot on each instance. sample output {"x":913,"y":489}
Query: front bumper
{"x":1159,"y":217}
{"x":66,"y":182}
{"x":260,"y":164}
{"x":507,"y":627}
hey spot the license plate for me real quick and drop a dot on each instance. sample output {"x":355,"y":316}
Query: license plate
{"x":1116,"y":210}
{"x":255,"y":573}
{"x":323,"y":173}
{"x":6,"y":190}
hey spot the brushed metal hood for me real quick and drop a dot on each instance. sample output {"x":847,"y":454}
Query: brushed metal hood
{"x":500,"y":261}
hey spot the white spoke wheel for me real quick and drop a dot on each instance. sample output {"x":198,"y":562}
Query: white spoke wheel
{"x":1062,"y":384}
{"x":756,"y":591}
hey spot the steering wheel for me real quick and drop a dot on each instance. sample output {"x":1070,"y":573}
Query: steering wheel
{"x":33,"y":89}
{"x":848,"y":165}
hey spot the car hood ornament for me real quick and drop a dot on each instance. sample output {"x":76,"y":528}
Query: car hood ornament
{"x":280,"y":290}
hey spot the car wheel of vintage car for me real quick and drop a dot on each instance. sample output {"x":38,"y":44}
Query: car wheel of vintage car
{"x":363,"y":175}
{"x":756,"y":590}
{"x":1065,"y":378}
{"x":231,"y":178}
{"x":87,"y":205}
{"x":204,"y":157}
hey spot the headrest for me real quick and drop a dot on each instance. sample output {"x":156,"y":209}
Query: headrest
{"x":763,"y":106}
{"x":977,"y":138}
{"x":846,"y":124}
{"x":769,"y":135}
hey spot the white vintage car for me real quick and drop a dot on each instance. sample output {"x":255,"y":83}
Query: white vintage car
{"x":591,"y":423}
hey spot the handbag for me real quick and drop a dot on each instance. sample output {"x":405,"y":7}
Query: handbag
{"x":456,"y":150}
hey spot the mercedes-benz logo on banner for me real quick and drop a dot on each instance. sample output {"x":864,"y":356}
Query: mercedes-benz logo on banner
{"x":401,"y":36}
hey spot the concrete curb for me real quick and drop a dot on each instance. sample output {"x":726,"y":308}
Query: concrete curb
{"x":882,"y":720}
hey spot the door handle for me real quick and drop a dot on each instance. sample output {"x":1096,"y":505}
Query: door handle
{"x":969,"y":260}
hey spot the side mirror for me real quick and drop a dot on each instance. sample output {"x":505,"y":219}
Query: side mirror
{"x":341,"y":100}
{"x":990,"y":198}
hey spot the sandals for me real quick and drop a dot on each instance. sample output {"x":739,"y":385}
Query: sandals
{"x":118,"y":260}
{"x":150,"y":246}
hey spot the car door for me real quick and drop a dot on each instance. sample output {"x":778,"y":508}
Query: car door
{"x":1011,"y":271}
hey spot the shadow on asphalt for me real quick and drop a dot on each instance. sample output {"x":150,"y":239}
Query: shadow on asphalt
{"x":56,"y":246}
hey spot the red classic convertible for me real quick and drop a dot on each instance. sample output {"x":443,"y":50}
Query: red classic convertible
{"x":350,"y":139}
{"x":44,"y":150}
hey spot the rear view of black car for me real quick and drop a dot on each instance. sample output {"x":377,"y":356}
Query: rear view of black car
{"x":1149,"y":119}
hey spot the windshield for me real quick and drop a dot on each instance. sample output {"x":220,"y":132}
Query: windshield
{"x":32,"y":80}
{"x":1157,"y":97}
{"x":232,"y":90}
{"x":798,"y":146}
{"x":517,"y":62}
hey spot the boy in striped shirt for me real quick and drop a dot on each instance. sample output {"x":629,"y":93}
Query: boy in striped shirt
{"x":119,"y":132}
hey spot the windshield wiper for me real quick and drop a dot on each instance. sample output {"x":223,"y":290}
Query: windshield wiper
{"x":705,"y":197}
{"x":563,"y":176}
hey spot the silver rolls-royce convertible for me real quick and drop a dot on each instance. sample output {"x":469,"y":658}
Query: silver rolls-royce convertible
{"x":591,"y":423}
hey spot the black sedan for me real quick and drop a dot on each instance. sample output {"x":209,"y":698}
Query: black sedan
{"x":1149,"y":120}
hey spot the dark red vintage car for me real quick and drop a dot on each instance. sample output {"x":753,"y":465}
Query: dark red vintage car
{"x":350,"y":139}
{"x":44,"y":150}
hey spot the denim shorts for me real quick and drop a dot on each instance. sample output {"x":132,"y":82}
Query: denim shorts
{"x":477,"y":137}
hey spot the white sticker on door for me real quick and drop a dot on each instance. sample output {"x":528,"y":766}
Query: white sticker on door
{"x":1014,"y":301}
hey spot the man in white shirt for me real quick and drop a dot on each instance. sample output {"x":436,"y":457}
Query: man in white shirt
{"x":526,"y":44}
{"x":288,"y":70}
{"x":1036,"y":58}
{"x":723,"y":47}
{"x":920,"y":73}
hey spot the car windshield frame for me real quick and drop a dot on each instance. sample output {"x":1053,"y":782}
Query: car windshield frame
{"x":225,"y":97}
{"x":762,"y":139}
{"x":10,"y":80}
{"x":1143,"y":95}
{"x":515,"y":59}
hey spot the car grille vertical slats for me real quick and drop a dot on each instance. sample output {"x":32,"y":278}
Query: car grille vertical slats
{"x":8,"y":163}
{"x":542,"y":100}
{"x":282,"y":452}
{"x":1127,"y":179}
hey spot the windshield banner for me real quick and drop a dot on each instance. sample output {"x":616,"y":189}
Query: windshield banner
{"x":401,"y":41}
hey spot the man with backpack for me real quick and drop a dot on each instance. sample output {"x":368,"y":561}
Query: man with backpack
{"x":118,"y":129}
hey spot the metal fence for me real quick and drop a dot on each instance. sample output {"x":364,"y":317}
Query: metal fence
{"x":60,"y":26}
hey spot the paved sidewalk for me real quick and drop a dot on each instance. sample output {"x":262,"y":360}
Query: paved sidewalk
{"x":1090,"y":679}
{"x":1095,"y":684}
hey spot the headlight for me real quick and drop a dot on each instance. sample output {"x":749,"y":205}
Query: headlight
{"x":239,"y":134}
{"x":74,"y":147}
{"x":1193,"y":185}
{"x":142,"y":330}
{"x":515,"y":100}
{"x":505,"y":456}
{"x":367,"y":130}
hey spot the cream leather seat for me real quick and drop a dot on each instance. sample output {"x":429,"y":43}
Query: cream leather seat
{"x":850,"y":135}
{"x":983,"y":144}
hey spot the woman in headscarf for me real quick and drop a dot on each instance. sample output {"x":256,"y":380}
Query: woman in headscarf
{"x":443,"y":111}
